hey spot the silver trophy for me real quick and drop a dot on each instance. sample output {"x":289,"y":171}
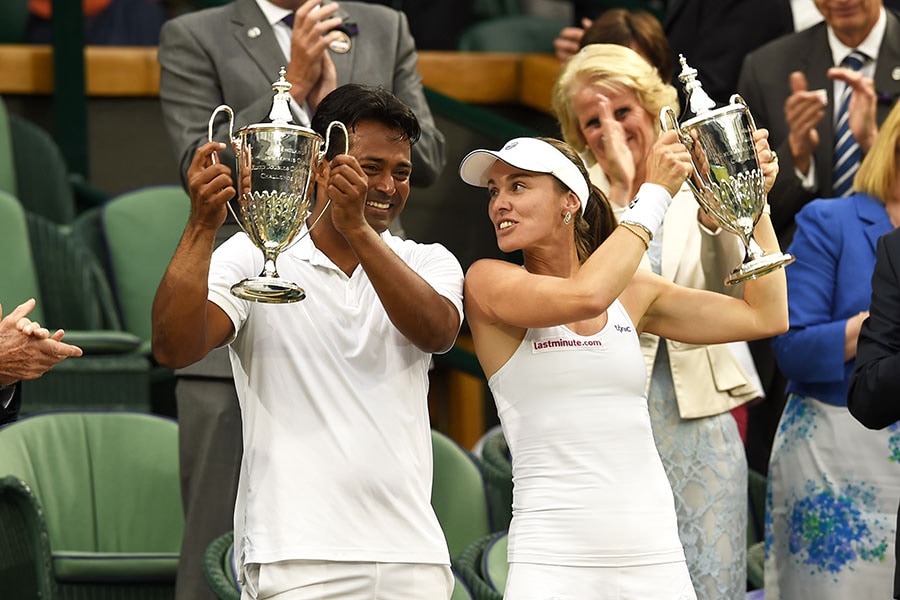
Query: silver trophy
{"x":727,"y":179}
{"x":275,"y":163}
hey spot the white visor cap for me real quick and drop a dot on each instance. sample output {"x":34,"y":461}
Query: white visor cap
{"x":528,"y":154}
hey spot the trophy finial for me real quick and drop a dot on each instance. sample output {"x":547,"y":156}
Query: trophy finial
{"x":281,"y":109}
{"x":697,"y":98}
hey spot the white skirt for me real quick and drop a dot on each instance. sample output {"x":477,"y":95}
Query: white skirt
{"x":667,"y":581}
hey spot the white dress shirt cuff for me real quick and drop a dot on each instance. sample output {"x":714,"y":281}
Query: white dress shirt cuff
{"x":808,"y":181}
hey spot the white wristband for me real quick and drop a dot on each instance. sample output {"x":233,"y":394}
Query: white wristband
{"x":648,"y":207}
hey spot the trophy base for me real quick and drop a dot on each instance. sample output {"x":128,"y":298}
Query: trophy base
{"x":759,"y":267}
{"x":269,"y":290}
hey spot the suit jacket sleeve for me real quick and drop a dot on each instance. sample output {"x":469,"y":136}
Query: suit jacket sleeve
{"x":428,"y":154}
{"x":189,"y":86}
{"x":814,"y":331}
{"x":874,"y":393}
{"x":10,"y":401}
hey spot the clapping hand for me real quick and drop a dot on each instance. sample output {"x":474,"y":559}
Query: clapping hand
{"x":28,"y":350}
{"x":863,"y":108}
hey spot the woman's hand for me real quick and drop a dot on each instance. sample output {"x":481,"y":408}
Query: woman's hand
{"x":669,"y":162}
{"x":768,"y":160}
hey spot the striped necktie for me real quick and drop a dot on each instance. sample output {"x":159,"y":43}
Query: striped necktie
{"x":846,"y":150}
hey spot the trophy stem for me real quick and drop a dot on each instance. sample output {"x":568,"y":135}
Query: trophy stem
{"x":269,"y":287}
{"x":757,"y":263}
{"x":269,"y":269}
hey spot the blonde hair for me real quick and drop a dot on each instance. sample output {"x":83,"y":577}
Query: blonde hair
{"x":612,"y":68}
{"x":878,"y":172}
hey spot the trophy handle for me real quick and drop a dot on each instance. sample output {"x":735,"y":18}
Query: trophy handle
{"x":668,"y":121}
{"x":209,"y":128}
{"x":343,"y":128}
{"x":737,"y":99}
{"x":215,"y":157}
{"x":324,"y":152}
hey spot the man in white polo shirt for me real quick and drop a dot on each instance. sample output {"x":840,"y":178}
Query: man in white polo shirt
{"x":334,"y":497}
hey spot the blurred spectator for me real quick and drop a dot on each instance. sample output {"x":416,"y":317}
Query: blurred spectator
{"x":715,"y":35}
{"x":635,"y":29}
{"x":106,"y":22}
{"x":435,"y":24}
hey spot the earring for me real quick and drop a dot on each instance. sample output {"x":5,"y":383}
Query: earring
{"x":568,"y":218}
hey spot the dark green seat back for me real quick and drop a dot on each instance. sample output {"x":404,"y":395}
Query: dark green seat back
{"x":24,"y":551}
{"x":460,"y":589}
{"x":141,"y":230}
{"x":469,"y":567}
{"x":109,"y":488}
{"x":7,"y":162}
{"x":494,"y":562}
{"x":218,"y":568}
{"x":18,"y":277}
{"x":498,"y":476}
{"x":513,"y":33}
{"x":458,"y":494}
{"x":42,"y":176}
{"x":15,"y":18}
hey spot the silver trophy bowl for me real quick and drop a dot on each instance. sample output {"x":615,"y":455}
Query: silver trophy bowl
{"x":727,"y":180}
{"x":275,"y":163}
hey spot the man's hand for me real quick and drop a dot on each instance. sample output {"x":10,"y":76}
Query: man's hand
{"x":210,"y":187}
{"x":863,"y":107}
{"x":568,"y":42}
{"x":347,"y":186}
{"x":326,"y":84}
{"x":28,"y":350}
{"x":313,"y":31}
{"x":803,"y":111}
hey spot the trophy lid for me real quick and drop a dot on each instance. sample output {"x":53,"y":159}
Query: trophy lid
{"x":698,"y":101}
{"x":280,"y":115}
{"x":281,"y":103}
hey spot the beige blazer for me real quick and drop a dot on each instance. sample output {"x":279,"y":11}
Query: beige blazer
{"x":708,"y":380}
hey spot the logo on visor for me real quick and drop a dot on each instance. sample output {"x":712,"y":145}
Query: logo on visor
{"x":511,"y":145}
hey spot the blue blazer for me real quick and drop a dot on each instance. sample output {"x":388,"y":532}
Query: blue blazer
{"x":829,"y":282}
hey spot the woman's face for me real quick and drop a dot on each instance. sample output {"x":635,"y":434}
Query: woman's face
{"x":524,"y":207}
{"x":636,"y":122}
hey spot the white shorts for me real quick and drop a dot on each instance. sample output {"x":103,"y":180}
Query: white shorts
{"x":668,"y":581}
{"x":327,"y":580}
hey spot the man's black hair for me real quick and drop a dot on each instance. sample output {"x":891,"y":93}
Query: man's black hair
{"x":352,"y":103}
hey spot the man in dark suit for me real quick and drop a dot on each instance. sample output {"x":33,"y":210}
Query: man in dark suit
{"x":231,"y":55}
{"x":27,"y":351}
{"x":783,"y":83}
{"x":874,"y":393}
